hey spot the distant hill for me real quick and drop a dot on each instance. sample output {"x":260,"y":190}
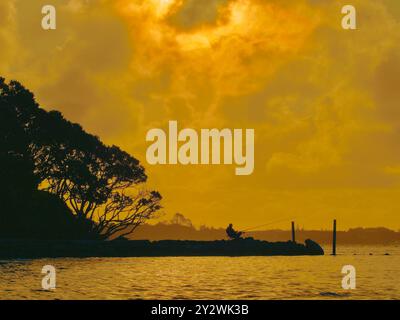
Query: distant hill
{"x":352,"y":236}
{"x":180,"y":228}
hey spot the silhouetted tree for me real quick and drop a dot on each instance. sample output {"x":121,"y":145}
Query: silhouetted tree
{"x":124,"y":213}
{"x":97,"y":182}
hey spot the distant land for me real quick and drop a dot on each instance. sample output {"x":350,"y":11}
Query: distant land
{"x":181,"y":228}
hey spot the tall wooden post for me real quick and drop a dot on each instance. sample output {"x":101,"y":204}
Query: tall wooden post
{"x":293,"y":233}
{"x":334,"y":239}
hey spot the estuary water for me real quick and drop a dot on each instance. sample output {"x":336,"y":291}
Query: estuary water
{"x":377,"y":277}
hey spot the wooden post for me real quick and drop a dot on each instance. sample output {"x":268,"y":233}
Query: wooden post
{"x":293,"y":233}
{"x":334,"y":239}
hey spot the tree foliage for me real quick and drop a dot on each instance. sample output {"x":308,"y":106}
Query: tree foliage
{"x":102,"y":185}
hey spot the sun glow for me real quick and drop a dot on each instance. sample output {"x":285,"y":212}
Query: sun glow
{"x":163,"y":7}
{"x":155,"y":9}
{"x":240,"y":18}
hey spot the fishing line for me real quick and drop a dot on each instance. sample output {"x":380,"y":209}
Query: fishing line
{"x":266,"y":224}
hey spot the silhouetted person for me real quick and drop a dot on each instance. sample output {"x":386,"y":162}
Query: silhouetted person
{"x":232,"y":233}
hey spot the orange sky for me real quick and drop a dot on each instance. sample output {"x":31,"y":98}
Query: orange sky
{"x":323,"y":101}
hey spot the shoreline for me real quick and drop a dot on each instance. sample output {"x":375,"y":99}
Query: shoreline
{"x":32,"y":249}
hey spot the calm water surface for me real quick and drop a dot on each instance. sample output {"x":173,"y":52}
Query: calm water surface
{"x":209,"y":277}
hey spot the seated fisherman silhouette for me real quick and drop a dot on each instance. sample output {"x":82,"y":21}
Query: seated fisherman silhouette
{"x":232,"y":233}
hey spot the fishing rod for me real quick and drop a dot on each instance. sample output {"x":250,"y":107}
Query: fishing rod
{"x":276,"y":221}
{"x":266,"y":224}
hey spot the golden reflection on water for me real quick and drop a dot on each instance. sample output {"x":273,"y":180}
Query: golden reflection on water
{"x":208,"y":277}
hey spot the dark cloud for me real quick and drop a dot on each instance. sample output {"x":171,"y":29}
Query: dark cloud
{"x":194,"y":13}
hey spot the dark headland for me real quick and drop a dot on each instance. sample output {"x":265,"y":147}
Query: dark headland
{"x":19,"y":249}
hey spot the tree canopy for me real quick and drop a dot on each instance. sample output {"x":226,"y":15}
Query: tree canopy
{"x":101,"y":185}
